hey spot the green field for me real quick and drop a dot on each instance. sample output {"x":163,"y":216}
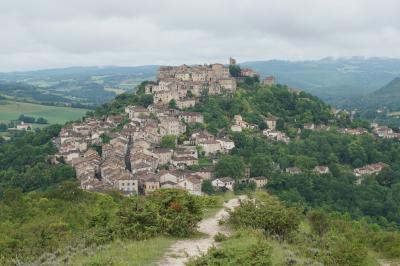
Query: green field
{"x":11,"y":110}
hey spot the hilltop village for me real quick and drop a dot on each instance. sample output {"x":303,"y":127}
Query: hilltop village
{"x":139,"y":151}
{"x":135,"y":158}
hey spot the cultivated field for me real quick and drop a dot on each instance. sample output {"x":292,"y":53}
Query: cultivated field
{"x":11,"y":110}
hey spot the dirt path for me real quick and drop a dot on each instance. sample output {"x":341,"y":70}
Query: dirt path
{"x":182,"y":250}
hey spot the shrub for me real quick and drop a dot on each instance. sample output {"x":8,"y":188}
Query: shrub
{"x":267,"y":214}
{"x":171,"y":211}
{"x":344,"y":251}
{"x":319,"y":222}
{"x":220,"y":237}
{"x":257,"y":254}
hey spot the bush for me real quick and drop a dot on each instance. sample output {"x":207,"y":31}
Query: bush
{"x":267,"y":214}
{"x":209,"y":201}
{"x":207,"y":187}
{"x":41,"y":120}
{"x":168,"y":141}
{"x":220,"y":237}
{"x":171,"y":211}
{"x":344,"y":251}
{"x":319,"y":222}
{"x":257,"y":254}
{"x":239,"y":188}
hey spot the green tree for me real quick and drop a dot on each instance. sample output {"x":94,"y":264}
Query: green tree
{"x":168,"y":141}
{"x":105,"y":138}
{"x":235,"y":70}
{"x":266,"y":213}
{"x":319,"y":222}
{"x":3,"y":127}
{"x":261,"y":165}
{"x":207,"y":187}
{"x":41,"y":120}
{"x":230,"y":165}
{"x":26,"y":119}
{"x":387,"y":177}
{"x":172,"y":104}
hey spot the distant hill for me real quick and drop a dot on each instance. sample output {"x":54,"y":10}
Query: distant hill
{"x":73,"y":72}
{"x":387,"y":96}
{"x":329,"y":78}
{"x":334,"y":80}
{"x":87,"y":86}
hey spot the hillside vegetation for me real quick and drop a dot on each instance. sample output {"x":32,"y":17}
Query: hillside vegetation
{"x":268,"y":233}
{"x":317,"y":218}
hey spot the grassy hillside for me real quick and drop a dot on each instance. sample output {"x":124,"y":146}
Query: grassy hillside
{"x":266,"y":232}
{"x":10,"y":110}
{"x":381,"y":106}
{"x":388,"y":95}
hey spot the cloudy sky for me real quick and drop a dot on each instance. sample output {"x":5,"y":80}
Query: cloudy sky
{"x":58,"y":33}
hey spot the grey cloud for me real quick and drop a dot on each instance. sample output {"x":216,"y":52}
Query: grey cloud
{"x":48,"y":33}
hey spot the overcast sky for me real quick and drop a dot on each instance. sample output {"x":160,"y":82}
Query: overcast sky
{"x":57,"y":33}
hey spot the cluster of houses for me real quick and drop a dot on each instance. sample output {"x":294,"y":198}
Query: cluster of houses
{"x":384,"y":132}
{"x":378,"y":130}
{"x":360,"y":173}
{"x":318,"y":127}
{"x":227,"y":183}
{"x":370,"y":169}
{"x":353,"y":131}
{"x":277,"y":135}
{"x":123,"y":151}
{"x":184,"y":83}
{"x":271,"y":133}
{"x":319,"y":169}
{"x":239,"y":124}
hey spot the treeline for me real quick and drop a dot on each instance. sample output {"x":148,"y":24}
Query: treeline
{"x":29,"y":119}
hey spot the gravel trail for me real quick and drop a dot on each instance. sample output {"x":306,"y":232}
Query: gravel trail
{"x":179,"y":253}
